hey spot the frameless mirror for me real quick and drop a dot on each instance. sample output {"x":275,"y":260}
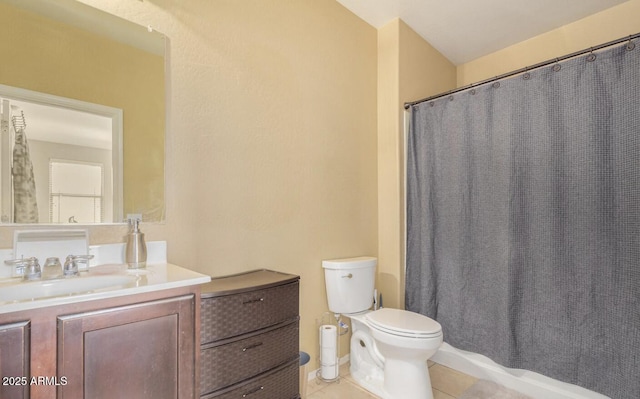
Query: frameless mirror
{"x":82,"y":101}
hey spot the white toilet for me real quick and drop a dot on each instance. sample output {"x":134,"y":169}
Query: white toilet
{"x":389,"y":347}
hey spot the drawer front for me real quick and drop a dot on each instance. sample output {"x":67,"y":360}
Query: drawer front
{"x":231,"y":315}
{"x":282,"y":384}
{"x":225,"y":365}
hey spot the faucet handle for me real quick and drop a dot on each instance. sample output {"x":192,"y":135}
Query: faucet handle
{"x":15,"y":262}
{"x":71,"y":264}
{"x":34,"y":271}
{"x":28,"y":268}
{"x":18,"y":265}
{"x":80,"y":258}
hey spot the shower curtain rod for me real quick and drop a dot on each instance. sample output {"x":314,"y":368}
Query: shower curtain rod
{"x":629,"y":38}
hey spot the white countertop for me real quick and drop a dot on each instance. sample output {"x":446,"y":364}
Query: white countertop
{"x":155,"y":277}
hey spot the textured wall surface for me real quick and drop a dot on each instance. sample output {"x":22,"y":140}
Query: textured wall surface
{"x":271,"y":144}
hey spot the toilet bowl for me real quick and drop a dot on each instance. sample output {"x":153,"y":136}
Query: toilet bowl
{"x":406,"y":340}
{"x":389,"y":347}
{"x":389,"y":352}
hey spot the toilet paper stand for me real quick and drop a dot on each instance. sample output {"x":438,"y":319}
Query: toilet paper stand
{"x":329,"y":331}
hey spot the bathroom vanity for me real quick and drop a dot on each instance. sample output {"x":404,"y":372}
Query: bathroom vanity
{"x":249,"y":336}
{"x":135,"y":341}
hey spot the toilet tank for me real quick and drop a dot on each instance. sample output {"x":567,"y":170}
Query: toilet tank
{"x":350,"y":283}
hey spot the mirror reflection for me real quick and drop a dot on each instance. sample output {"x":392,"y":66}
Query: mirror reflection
{"x":57,"y":160}
{"x":83,"y":115}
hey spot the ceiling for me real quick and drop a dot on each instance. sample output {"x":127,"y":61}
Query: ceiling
{"x":63,"y":125}
{"x":463,"y":30}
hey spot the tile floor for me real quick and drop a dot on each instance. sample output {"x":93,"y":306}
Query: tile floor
{"x":447,"y":384}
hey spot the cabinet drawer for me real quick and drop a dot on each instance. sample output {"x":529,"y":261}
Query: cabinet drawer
{"x":280,"y":383}
{"x":225,"y":365}
{"x":232,"y":315}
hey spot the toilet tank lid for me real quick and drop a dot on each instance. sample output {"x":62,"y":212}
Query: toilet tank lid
{"x":350,"y":263}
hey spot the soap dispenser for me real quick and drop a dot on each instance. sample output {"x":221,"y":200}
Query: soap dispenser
{"x":135,"y":248}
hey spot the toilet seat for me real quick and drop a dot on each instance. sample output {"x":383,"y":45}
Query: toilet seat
{"x":403,"y":323}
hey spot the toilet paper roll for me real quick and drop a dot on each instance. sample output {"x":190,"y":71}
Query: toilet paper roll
{"x":328,"y":355}
{"x":328,"y":352}
{"x":329,"y":372}
{"x":328,"y":336}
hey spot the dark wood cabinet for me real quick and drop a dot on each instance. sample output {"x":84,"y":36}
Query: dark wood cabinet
{"x":135,"y":351}
{"x":136,"y":346}
{"x":249,"y":339}
{"x":14,"y":360}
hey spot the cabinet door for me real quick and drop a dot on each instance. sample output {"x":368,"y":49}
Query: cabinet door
{"x":146,"y":350}
{"x":14,"y":360}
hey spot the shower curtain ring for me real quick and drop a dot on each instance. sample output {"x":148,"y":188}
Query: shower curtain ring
{"x":630,"y":45}
{"x":557,"y":66}
{"x":591,"y":57}
{"x":526,"y":75}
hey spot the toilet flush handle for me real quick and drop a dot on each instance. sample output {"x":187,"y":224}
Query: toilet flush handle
{"x":348,"y":276}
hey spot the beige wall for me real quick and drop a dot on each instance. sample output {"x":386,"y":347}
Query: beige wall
{"x":271,"y":146}
{"x":388,"y":162}
{"x":610,"y":24}
{"x":409,"y":68}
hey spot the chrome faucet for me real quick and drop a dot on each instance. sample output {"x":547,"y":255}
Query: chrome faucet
{"x":28,"y":268}
{"x":71,"y":264}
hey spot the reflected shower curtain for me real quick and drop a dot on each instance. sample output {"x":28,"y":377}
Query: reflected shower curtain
{"x":523,"y":220}
{"x":25,"y":207}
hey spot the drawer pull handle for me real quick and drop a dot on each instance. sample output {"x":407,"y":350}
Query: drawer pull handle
{"x":254,"y":390}
{"x":253,"y":301}
{"x":246,"y":348}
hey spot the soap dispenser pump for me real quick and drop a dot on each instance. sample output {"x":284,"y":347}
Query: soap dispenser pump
{"x":135,"y":249}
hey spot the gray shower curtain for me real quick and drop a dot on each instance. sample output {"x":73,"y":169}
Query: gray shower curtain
{"x":523,"y":220}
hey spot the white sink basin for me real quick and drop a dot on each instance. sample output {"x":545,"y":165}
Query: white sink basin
{"x":18,"y":291}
